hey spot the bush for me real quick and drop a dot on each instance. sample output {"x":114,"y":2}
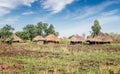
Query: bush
{"x":64,"y":41}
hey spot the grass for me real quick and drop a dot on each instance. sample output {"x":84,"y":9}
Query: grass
{"x":64,"y":62}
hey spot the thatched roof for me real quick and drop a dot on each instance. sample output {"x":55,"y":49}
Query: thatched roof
{"x":77,"y":38}
{"x":115,"y":37}
{"x":104,"y":38}
{"x":107,"y":39}
{"x":38,"y":38}
{"x":51,"y":37}
{"x":16,"y":38}
{"x":93,"y":39}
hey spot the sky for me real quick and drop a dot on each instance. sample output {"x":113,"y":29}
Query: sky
{"x":68,"y":16}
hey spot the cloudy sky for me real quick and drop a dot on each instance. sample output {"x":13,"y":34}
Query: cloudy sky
{"x":68,"y":16}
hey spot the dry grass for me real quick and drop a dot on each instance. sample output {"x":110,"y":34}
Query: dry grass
{"x":60,"y":59}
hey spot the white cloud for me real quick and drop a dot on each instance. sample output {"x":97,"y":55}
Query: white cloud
{"x":112,"y":12}
{"x":92,"y":10}
{"x":55,"y":6}
{"x":109,"y":23}
{"x":9,"y":20}
{"x":83,"y":19}
{"x":28,"y":13}
{"x":6,"y":6}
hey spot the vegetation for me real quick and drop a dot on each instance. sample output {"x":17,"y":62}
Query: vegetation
{"x":24,"y":59}
{"x":6,"y":32}
{"x":96,"y":28}
{"x":29,"y":31}
{"x":31,"y":58}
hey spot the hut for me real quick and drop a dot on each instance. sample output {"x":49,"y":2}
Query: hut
{"x":51,"y":39}
{"x":100,"y":40}
{"x":92,"y":40}
{"x":106,"y":39}
{"x":16,"y":38}
{"x":116,"y":38}
{"x":39,"y":39}
{"x":76,"y":39}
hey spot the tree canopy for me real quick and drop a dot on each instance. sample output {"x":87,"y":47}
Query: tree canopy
{"x":30,"y":30}
{"x":6,"y":31}
{"x":95,"y":28}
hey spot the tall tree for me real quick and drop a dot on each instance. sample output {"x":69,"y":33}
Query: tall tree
{"x":22,"y":34}
{"x":96,"y":28}
{"x":6,"y":31}
{"x":51,"y":30}
{"x":44,"y":29}
{"x":30,"y":30}
{"x":41,"y":28}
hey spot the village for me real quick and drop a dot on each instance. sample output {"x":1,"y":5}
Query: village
{"x":59,"y":36}
{"x":76,"y":39}
{"x":49,"y":54}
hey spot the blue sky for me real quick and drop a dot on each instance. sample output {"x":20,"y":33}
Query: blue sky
{"x":68,"y":16}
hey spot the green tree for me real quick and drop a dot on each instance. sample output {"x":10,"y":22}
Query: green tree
{"x":51,"y":30}
{"x":30,"y":31}
{"x":96,"y":28}
{"x":22,"y":34}
{"x":44,"y":29}
{"x":70,"y":36}
{"x":6,"y":32}
{"x":41,"y":28}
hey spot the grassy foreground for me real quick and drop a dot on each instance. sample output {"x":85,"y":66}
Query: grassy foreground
{"x":44,"y":61}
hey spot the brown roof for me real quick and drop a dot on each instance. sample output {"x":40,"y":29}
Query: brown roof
{"x":77,"y":38}
{"x":16,"y":38}
{"x":38,"y":38}
{"x":104,"y":38}
{"x":107,"y":39}
{"x":93,"y":39}
{"x":116,"y":37}
{"x":51,"y":37}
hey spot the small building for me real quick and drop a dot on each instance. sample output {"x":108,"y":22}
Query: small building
{"x":16,"y":38}
{"x":76,"y":39}
{"x":106,"y":40}
{"x":100,"y":40}
{"x":51,"y":39}
{"x":39,"y":39}
{"x":116,"y":38}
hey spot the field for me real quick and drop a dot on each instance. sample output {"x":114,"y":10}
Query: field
{"x":31,"y":58}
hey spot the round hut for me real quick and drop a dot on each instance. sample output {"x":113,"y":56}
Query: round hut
{"x":51,"y":39}
{"x":100,"y":39}
{"x":116,"y":38}
{"x":76,"y":39}
{"x":39,"y":39}
{"x":92,"y":40}
{"x":106,"y":39}
{"x":16,"y":38}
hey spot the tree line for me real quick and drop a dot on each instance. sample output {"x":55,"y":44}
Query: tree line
{"x":43,"y":29}
{"x":29,"y":31}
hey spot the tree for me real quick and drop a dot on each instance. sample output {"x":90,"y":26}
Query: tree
{"x":51,"y":30}
{"x":30,"y":30}
{"x":22,"y":34}
{"x":41,"y":28}
{"x":44,"y":29}
{"x":70,"y":36}
{"x":6,"y":32}
{"x":96,"y":28}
